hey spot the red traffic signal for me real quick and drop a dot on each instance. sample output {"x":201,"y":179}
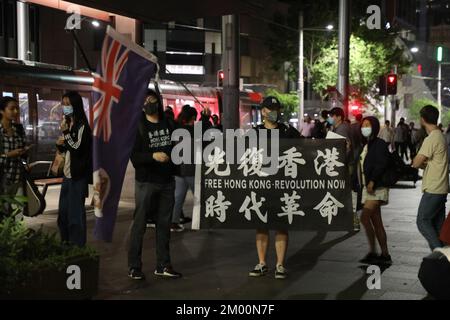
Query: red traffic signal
{"x":220,"y":77}
{"x":391,"y":84}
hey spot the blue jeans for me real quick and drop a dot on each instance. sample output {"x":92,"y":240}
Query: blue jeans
{"x":182,"y":184}
{"x":72,"y":212}
{"x":431,"y":217}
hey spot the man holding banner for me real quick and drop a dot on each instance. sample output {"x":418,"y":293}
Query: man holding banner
{"x":270,"y":110}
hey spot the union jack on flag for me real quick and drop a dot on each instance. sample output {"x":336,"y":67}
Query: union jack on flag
{"x":120,"y":86}
{"x":114,"y":57}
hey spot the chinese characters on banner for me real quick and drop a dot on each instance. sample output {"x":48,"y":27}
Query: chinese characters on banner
{"x":310,"y":190}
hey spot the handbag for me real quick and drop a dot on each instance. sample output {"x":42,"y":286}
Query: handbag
{"x":445,"y":231}
{"x":35,"y":201}
{"x":58,"y":164}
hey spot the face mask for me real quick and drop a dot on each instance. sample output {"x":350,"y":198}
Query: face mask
{"x":151,"y":108}
{"x":331,"y":121}
{"x":272,"y":116}
{"x":67,"y":110}
{"x":366,"y":131}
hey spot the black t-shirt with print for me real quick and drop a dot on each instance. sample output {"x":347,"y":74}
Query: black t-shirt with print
{"x":152,"y":138}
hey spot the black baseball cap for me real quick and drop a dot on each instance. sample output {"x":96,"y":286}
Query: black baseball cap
{"x":271,"y":103}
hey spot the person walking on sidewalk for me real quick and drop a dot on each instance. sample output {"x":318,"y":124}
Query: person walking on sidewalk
{"x":401,"y":139}
{"x":154,"y":183}
{"x":374,"y":164}
{"x":433,"y":158}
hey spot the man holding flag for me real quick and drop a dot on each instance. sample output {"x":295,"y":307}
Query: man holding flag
{"x":155,"y":188}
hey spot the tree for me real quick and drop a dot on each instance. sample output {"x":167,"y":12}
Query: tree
{"x":418,"y":104}
{"x":373,"y":52}
{"x":368,"y":60}
{"x":289,"y":101}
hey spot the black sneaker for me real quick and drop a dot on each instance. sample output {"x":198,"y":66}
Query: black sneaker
{"x":280,"y":272}
{"x":259,"y":270}
{"x":184,"y":220}
{"x":167,"y":272}
{"x":384,"y":260}
{"x":370,"y":258}
{"x":136,"y":274}
{"x":176,"y":227}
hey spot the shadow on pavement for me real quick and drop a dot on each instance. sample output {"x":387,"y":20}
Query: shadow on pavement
{"x":358,"y":288}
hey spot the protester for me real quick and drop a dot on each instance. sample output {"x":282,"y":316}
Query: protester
{"x":185,"y":176}
{"x":388,"y":134}
{"x":216,"y":123}
{"x":412,"y":140}
{"x":307,"y":127}
{"x":374,"y":164}
{"x":343,"y":128}
{"x":154,"y":183}
{"x":401,"y":139}
{"x":76,"y":145}
{"x":12,"y":150}
{"x":357,"y":146}
{"x":271,"y":112}
{"x":320,"y":126}
{"x":433,"y":158}
{"x":447,"y":139}
{"x":169,"y":114}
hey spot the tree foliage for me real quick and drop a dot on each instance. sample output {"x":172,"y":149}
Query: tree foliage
{"x":373,"y":52}
{"x":289,"y":101}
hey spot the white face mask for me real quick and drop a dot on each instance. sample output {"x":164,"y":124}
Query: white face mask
{"x":366,"y":131}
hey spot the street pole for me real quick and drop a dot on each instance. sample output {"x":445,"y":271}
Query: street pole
{"x":344,"y":49}
{"x":394,"y":103}
{"x":439,"y":97}
{"x":231,"y":69}
{"x":23,"y":30}
{"x":75,"y":63}
{"x":301,"y":82}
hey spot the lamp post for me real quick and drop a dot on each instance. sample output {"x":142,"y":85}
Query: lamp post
{"x":301,"y":81}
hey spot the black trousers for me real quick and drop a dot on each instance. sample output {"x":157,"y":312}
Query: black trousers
{"x":146,"y":194}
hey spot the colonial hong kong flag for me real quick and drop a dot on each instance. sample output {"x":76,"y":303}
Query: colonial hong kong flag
{"x":120,"y":85}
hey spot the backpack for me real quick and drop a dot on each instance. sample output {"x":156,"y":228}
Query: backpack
{"x":393,"y":171}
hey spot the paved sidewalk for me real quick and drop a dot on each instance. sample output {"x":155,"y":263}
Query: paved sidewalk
{"x":215,"y":263}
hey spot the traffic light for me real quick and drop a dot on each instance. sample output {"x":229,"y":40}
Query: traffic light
{"x":388,"y":85}
{"x":391,"y":84}
{"x":220,"y":77}
{"x":355,"y":107}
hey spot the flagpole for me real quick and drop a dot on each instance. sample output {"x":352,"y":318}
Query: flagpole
{"x":81,"y":50}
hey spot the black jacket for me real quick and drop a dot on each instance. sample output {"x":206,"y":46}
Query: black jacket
{"x":78,"y":141}
{"x":285,"y":132}
{"x":376,"y":162}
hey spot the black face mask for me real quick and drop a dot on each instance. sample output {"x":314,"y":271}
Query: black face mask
{"x":151,"y":108}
